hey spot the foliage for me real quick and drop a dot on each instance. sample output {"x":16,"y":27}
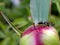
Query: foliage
{"x":21,"y":19}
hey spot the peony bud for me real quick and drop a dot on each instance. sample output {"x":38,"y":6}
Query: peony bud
{"x":40,"y":35}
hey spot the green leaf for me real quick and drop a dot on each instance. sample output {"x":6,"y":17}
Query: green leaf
{"x":2,"y":35}
{"x":55,"y":20}
{"x":57,"y":2}
{"x":58,"y":5}
{"x":20,"y":21}
{"x":2,"y":25}
{"x":6,"y":41}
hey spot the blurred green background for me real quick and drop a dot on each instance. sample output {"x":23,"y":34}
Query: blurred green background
{"x":20,"y":17}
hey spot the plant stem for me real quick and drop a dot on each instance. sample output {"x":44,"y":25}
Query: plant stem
{"x":10,"y":24}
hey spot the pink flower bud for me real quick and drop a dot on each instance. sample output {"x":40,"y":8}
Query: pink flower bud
{"x":40,"y":35}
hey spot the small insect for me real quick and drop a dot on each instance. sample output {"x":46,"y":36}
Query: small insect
{"x":47,"y":23}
